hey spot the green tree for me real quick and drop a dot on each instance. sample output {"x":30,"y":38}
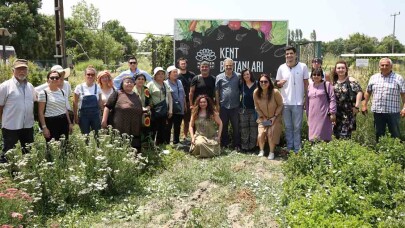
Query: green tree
{"x":116,"y":30}
{"x":335,"y":47}
{"x":27,"y":27}
{"x":88,"y":14}
{"x":106,"y":47}
{"x":313,"y":35}
{"x":77,"y":33}
{"x":385,"y":46}
{"x":161,"y":48}
{"x":360,"y":43}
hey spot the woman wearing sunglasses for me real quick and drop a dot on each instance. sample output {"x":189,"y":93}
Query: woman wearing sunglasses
{"x":52,"y":112}
{"x":87,"y":103}
{"x":269,"y":106}
{"x":320,"y":108}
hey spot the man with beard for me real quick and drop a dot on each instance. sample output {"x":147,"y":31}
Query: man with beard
{"x":203,"y":83}
{"x":17,"y":98}
{"x":185,"y":77}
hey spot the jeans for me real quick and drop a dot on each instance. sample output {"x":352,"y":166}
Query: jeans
{"x":89,"y":119}
{"x":292,"y":115}
{"x":232,"y":115}
{"x":392,"y":120}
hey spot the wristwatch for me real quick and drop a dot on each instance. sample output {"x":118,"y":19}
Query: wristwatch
{"x":43,"y":126}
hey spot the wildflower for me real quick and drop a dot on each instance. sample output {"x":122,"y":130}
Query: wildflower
{"x":17,"y":215}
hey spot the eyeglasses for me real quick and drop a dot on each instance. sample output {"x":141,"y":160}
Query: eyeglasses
{"x":91,"y":75}
{"x":132,"y":63}
{"x":54,"y":78}
{"x":264,"y":82}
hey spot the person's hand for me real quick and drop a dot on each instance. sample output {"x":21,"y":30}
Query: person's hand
{"x":281,"y":83}
{"x":104,"y":124}
{"x":70,"y":128}
{"x":193,"y":140}
{"x":76,"y":120}
{"x":364,"y":110}
{"x":169,"y":115}
{"x":402,"y":112}
{"x":46,"y":132}
{"x":333,"y":119}
{"x":355,"y":110}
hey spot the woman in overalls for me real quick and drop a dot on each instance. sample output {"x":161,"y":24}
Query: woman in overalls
{"x":87,"y":103}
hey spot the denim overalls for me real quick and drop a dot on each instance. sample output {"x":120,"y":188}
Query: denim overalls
{"x":89,"y":113}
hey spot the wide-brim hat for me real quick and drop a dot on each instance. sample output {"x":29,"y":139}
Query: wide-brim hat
{"x":60,"y":69}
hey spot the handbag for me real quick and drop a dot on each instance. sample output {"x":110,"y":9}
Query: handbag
{"x":267,"y":123}
{"x":160,"y":109}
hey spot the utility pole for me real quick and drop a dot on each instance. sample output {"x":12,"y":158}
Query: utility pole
{"x":393,"y":33}
{"x":60,"y":54}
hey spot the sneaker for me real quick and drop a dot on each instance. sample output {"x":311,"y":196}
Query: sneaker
{"x":271,"y":156}
{"x":261,"y":153}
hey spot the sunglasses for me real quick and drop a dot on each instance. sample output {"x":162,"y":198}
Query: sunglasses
{"x":54,"y":78}
{"x":92,"y":75}
{"x":132,"y":63}
{"x":264,"y":82}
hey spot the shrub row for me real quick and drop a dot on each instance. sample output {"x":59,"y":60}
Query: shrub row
{"x":85,"y":174}
{"x":343,"y":184}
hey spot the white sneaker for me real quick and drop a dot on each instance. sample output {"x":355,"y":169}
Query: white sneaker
{"x":261,"y":153}
{"x":271,"y":156}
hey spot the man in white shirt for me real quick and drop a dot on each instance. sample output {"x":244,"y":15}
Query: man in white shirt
{"x":292,"y":80}
{"x":17,"y":98}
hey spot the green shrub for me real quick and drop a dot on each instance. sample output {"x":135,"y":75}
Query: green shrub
{"x":343,"y":184}
{"x":96,"y":63}
{"x":80,"y":175}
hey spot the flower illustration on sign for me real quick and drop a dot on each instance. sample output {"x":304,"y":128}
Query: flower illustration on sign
{"x":205,"y":54}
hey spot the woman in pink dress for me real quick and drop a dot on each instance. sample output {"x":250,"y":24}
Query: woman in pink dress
{"x":320,"y":107}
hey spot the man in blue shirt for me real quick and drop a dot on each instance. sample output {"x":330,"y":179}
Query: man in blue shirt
{"x":227,"y":103}
{"x":133,"y":70}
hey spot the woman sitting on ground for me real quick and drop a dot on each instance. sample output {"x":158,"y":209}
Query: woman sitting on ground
{"x":205,"y":128}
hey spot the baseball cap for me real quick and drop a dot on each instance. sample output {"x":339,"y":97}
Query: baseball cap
{"x":20,"y":63}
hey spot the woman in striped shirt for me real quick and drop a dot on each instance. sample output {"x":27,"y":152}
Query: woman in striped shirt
{"x":52,"y":112}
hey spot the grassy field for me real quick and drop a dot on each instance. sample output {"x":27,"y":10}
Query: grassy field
{"x":233,"y":190}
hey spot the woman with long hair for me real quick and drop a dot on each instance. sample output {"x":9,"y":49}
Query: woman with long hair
{"x":269,"y":106}
{"x":348,"y":99}
{"x":128,"y":110}
{"x":104,"y":80}
{"x":247,"y":113}
{"x":205,"y":128}
{"x":320,"y":107}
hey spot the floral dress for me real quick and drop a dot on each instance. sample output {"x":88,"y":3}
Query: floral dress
{"x":345,"y":93}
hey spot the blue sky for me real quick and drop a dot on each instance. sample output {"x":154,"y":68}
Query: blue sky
{"x":331,"y":19}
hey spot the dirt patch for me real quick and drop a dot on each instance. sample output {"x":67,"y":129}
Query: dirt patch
{"x":198,"y":198}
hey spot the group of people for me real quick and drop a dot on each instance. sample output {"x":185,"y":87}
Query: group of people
{"x":143,"y":106}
